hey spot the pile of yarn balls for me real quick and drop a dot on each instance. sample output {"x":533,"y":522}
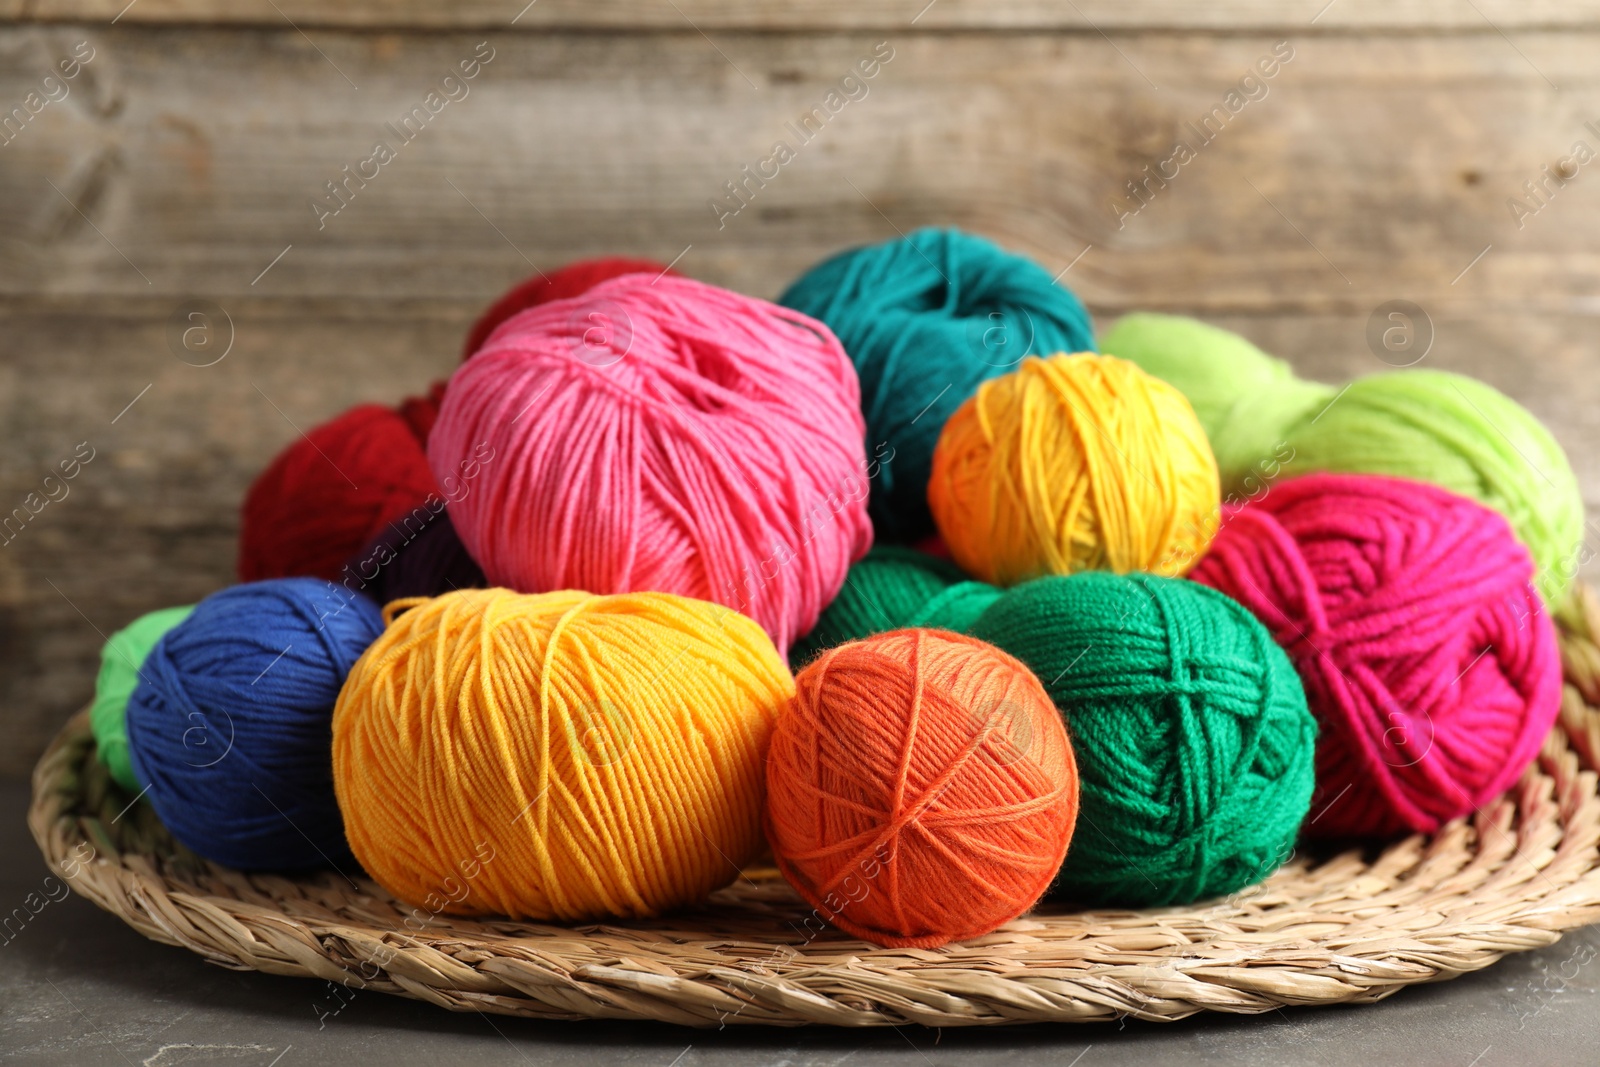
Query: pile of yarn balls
{"x":898,"y":578}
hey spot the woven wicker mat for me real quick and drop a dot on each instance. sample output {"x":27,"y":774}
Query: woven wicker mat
{"x":1333,"y":928}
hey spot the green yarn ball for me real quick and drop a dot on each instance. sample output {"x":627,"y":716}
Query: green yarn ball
{"x":120,"y":661}
{"x":892,"y":588}
{"x":926,"y":319}
{"x":1427,"y":425}
{"x":1195,"y":747}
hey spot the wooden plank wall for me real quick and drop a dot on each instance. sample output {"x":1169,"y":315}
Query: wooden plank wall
{"x":1379,"y":162}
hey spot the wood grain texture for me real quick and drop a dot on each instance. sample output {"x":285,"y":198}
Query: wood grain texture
{"x":182,"y":163}
{"x":1084,"y":15}
{"x":1375,"y":167}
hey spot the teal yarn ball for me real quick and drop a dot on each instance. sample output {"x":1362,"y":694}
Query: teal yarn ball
{"x":894,"y":588}
{"x":1195,"y":747}
{"x":1426,"y":425}
{"x":927,"y":319}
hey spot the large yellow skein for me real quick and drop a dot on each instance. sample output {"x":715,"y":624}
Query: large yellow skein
{"x":559,"y":756}
{"x":1074,"y":463}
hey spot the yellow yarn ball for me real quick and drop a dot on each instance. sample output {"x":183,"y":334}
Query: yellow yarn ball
{"x":1074,"y":463}
{"x":559,"y":756}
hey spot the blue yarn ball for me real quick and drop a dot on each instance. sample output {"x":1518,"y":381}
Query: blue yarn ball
{"x":927,"y":319}
{"x":231,"y":722}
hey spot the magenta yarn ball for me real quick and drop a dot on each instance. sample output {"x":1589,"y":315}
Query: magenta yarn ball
{"x":661,"y":434}
{"x":1427,"y":656}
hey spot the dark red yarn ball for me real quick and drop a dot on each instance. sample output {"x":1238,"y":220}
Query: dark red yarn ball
{"x":333,"y":490}
{"x":415,"y":555}
{"x":574,"y":279}
{"x":420,"y":412}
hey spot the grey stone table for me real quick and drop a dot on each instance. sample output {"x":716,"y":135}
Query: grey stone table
{"x":79,"y":987}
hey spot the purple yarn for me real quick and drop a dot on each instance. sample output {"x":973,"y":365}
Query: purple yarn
{"x":413,"y":558}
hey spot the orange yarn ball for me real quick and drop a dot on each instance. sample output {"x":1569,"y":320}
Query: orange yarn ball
{"x":920,"y":788}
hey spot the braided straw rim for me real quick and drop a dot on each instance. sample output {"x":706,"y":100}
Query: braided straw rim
{"x":1344,"y":928}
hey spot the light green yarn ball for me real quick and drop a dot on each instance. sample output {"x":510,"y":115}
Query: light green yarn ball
{"x":1427,"y":425}
{"x":1463,"y":435}
{"x":120,"y":661}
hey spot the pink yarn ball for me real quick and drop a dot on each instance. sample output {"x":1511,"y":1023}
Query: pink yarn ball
{"x":1427,"y":657}
{"x":662,"y":434}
